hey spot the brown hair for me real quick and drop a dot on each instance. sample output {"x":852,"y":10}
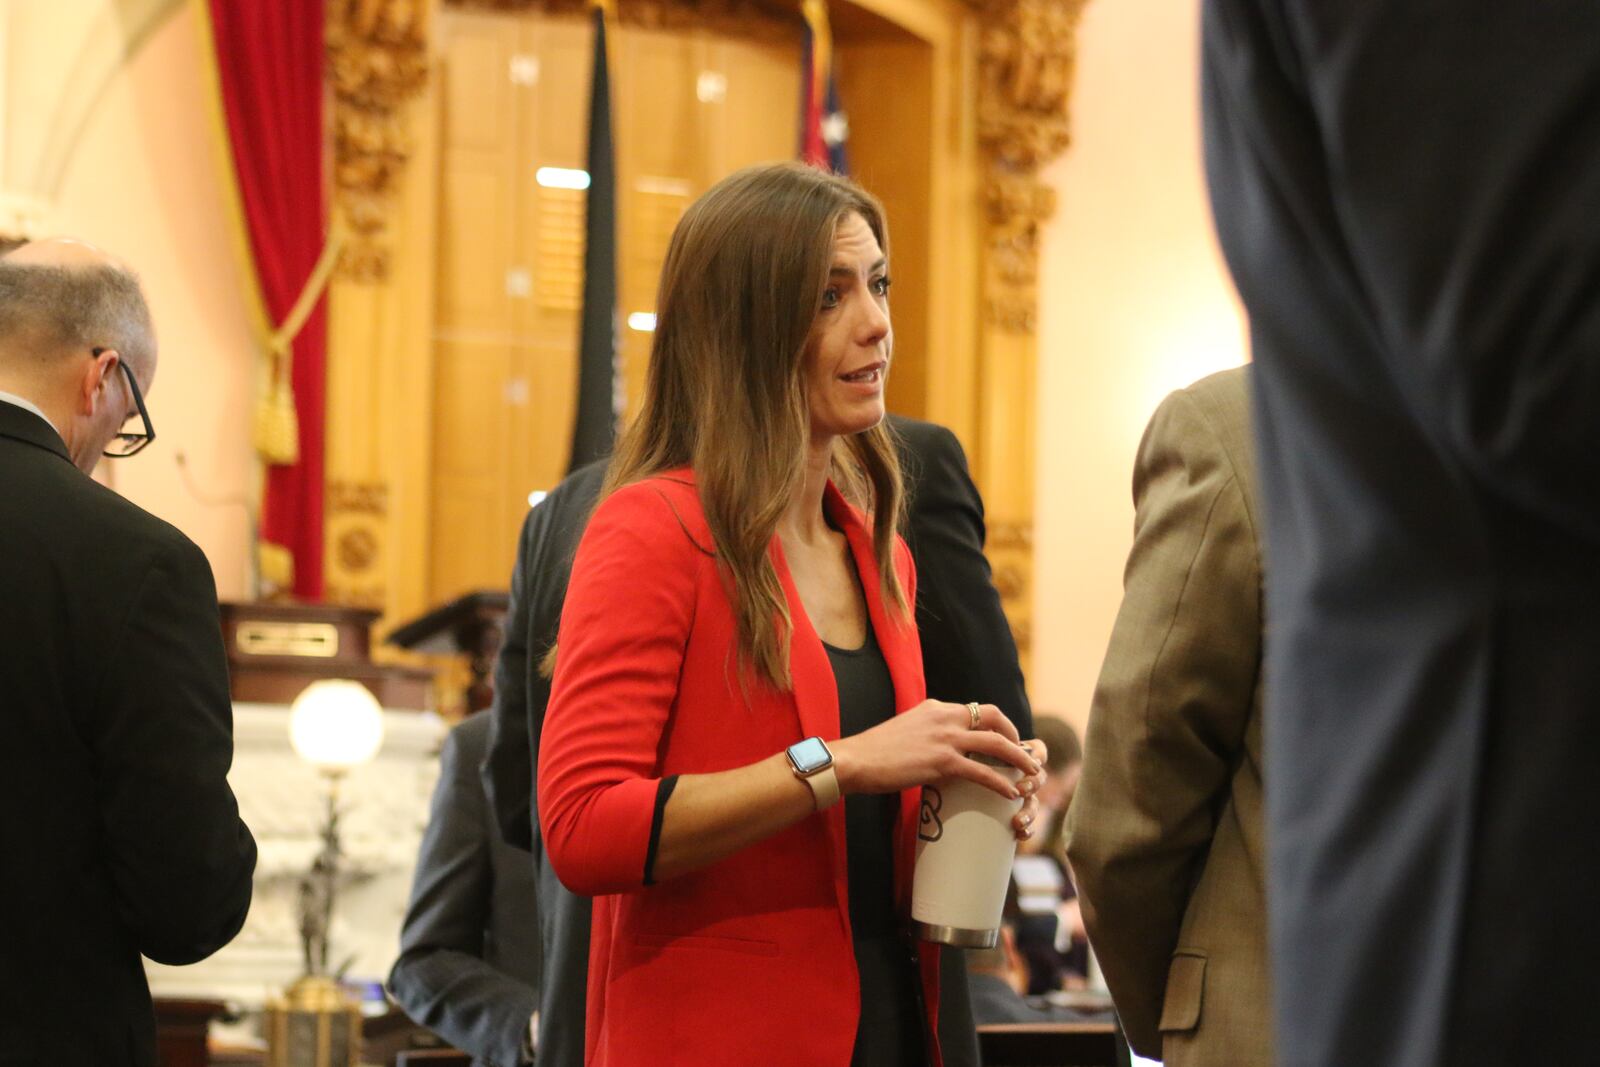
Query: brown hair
{"x":725,"y":394}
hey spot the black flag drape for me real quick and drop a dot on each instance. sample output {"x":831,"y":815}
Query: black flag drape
{"x":594,"y":429}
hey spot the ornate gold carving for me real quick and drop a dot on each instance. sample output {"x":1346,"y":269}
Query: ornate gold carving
{"x":358,"y":549}
{"x":1010,"y":535}
{"x":1010,"y":549}
{"x":747,"y":18}
{"x":1026,"y":62}
{"x":377,"y":60}
{"x":355,"y":514}
{"x":1010,"y":581}
{"x":1021,"y":633}
{"x":374,"y":595}
{"x":367,"y":498}
{"x":1026,"y":58}
{"x":1017,"y":207}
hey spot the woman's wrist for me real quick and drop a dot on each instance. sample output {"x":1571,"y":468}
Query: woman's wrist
{"x":845,"y":768}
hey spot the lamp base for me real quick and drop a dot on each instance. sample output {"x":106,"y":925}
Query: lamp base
{"x":315,"y":1023}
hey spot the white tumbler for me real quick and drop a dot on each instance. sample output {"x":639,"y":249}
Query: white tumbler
{"x":965,"y":846}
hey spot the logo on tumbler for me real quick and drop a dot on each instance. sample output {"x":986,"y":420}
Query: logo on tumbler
{"x":929,"y":827}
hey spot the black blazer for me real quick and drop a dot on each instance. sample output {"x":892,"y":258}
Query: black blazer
{"x":119,"y":832}
{"x":968,"y":654}
{"x":1406,"y":191}
{"x":470,"y":949}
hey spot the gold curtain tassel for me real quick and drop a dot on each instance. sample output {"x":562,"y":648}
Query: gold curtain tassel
{"x":277,"y":425}
{"x":275,"y":564}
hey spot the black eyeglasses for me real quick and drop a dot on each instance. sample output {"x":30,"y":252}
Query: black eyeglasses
{"x":127,"y":442}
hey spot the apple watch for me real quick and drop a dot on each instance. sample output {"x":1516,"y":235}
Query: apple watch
{"x":812,"y":763}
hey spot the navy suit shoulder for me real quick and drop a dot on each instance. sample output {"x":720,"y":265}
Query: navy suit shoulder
{"x":1413,"y":240}
{"x":469,"y":950}
{"x":545,"y":550}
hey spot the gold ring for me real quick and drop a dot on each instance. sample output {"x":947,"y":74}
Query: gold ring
{"x":972,"y":710}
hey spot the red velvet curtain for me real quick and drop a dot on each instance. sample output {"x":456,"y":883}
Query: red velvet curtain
{"x":269,"y":58}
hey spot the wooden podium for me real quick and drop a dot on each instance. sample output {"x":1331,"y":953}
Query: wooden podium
{"x":277,"y":649}
{"x":473,"y":625}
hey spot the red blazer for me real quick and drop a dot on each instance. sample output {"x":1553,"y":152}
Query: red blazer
{"x":749,"y":961}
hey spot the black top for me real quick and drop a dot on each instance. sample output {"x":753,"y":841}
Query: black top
{"x":890,"y":1032}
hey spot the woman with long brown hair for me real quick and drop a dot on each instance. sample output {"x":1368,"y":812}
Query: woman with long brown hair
{"x":737,"y":650}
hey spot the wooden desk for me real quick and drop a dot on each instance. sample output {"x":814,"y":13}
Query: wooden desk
{"x":1050,"y":1045}
{"x":434,"y":1057}
{"x":277,"y":649}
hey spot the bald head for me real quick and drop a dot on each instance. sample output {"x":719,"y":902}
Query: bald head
{"x":62,"y":252}
{"x":61,"y":297}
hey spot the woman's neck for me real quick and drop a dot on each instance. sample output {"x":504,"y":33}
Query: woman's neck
{"x":804,"y":522}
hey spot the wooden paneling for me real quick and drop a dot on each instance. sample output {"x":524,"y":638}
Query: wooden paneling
{"x":484,"y":287}
{"x":688,"y":108}
{"x":955,"y":105}
{"x":889,"y":87}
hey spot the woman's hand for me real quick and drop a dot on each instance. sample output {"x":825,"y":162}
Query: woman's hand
{"x":1022,"y":822}
{"x":930,"y":742}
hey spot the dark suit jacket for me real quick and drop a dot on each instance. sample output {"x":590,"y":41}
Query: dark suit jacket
{"x":470,"y":950}
{"x":119,"y":832}
{"x":1406,"y":192}
{"x":954,"y":596}
{"x":1166,"y":825}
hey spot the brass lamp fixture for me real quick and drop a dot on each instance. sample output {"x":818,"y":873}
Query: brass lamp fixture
{"x":334,"y":725}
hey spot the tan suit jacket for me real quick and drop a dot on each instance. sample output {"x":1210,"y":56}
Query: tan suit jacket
{"x":1166,"y":828}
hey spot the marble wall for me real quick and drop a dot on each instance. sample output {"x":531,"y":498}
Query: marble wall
{"x":384,"y":808}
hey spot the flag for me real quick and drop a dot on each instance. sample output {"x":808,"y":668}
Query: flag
{"x":824,"y":129}
{"x":595,"y":426}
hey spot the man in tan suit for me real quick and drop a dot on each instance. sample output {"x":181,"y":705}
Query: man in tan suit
{"x":1166,"y":830}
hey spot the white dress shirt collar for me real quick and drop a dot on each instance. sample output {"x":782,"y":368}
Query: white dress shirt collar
{"x":28,"y":405}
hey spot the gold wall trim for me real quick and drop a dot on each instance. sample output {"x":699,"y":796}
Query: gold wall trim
{"x":757,"y":18}
{"x":1027,"y":58}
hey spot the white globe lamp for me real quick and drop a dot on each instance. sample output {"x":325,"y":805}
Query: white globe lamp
{"x":336,"y":724}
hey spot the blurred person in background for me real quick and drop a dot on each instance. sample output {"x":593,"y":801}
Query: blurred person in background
{"x":1049,"y":923}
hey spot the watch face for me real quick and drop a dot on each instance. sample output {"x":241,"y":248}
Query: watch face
{"x":810,"y":755}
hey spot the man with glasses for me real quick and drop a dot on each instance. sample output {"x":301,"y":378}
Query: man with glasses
{"x":120,"y":835}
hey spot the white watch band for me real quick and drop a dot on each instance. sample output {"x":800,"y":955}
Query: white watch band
{"x":824,"y":787}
